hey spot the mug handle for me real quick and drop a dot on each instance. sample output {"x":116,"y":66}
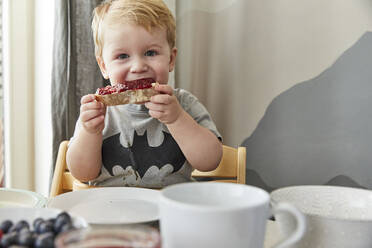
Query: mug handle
{"x":300,"y":229}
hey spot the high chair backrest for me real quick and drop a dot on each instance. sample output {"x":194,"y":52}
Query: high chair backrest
{"x":230,"y":169}
{"x":62,"y":181}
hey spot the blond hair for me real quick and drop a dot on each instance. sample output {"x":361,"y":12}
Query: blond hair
{"x":146,"y":13}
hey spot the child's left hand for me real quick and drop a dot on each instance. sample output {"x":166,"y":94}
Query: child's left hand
{"x":164,"y":106}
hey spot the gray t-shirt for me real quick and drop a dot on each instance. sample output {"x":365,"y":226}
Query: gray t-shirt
{"x":138,"y":150}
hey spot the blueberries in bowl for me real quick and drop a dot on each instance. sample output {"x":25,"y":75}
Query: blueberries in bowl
{"x":45,"y":240}
{"x":26,"y":238}
{"x":62,"y":220}
{"x":39,"y":234}
{"x":6,"y":225}
{"x":44,"y":227}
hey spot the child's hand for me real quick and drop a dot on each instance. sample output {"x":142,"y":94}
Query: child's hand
{"x":92,"y":114}
{"x":164,"y":106}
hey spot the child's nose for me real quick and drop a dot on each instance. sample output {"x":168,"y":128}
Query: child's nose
{"x":138,"y":65}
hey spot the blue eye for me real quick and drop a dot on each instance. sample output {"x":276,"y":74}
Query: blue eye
{"x":123,"y":56}
{"x":151,"y":53}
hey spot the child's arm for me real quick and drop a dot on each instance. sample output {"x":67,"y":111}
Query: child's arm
{"x":199,"y":145}
{"x":84,"y":158}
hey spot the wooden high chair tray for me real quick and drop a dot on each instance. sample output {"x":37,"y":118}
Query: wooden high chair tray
{"x":110,"y":205}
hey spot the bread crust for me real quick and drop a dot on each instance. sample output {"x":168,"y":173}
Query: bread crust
{"x":129,"y":96}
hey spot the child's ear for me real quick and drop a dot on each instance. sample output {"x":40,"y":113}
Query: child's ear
{"x":172,"y":61}
{"x":102,"y":67}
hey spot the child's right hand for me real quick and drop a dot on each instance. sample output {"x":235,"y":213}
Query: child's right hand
{"x":92,"y":114}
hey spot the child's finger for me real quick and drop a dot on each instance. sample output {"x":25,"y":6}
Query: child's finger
{"x":90,"y":114}
{"x":164,"y":89}
{"x":155,"y":114}
{"x":94,"y":122}
{"x":154,"y":106}
{"x":161,"y":98}
{"x":87,"y":98}
{"x":92,"y":105}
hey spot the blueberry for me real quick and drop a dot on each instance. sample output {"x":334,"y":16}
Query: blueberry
{"x":6,"y":225}
{"x":52,"y":220}
{"x":25,"y":238}
{"x":44,"y":227}
{"x":45,"y":240}
{"x":24,"y":230}
{"x":36,"y":222}
{"x":34,"y":236}
{"x":19,"y":226}
{"x":9,"y":239}
{"x":66,"y":227}
{"x":60,"y":222}
{"x":64,"y":215}
{"x":38,"y":225}
{"x":42,"y":234}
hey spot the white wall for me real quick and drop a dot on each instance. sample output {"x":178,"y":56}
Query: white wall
{"x":28,"y":43}
{"x":18,"y":93}
{"x":44,"y":26}
{"x":247,"y":52}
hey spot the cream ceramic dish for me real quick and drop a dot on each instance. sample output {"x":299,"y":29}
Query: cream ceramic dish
{"x":21,"y":198}
{"x":336,"y":216}
{"x":110,"y":205}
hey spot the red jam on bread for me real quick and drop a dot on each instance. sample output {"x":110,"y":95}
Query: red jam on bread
{"x":136,"y":91}
{"x":139,"y":84}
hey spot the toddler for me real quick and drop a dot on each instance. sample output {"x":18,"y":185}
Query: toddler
{"x":147,"y":145}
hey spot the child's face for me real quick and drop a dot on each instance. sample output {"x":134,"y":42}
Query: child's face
{"x":130,"y":52}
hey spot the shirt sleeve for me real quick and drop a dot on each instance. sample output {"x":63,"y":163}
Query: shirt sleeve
{"x":196,"y":110}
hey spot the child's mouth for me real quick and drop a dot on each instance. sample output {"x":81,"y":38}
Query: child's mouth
{"x":138,"y":81}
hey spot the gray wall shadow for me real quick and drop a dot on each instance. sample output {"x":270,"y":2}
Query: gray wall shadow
{"x":319,"y":131}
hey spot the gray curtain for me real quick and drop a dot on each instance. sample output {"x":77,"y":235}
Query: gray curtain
{"x":75,"y":72}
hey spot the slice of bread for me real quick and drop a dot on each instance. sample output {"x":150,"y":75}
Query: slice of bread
{"x":137,"y":96}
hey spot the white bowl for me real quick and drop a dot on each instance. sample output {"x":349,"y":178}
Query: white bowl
{"x":21,"y":198}
{"x":337,"y":216}
{"x":30,"y":214}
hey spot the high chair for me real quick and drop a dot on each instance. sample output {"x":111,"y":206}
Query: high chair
{"x":230,"y":169}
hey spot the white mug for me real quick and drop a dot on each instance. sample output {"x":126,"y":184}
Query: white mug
{"x":219,"y":215}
